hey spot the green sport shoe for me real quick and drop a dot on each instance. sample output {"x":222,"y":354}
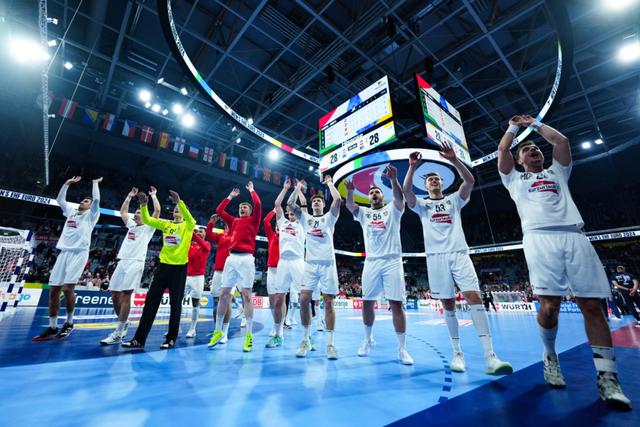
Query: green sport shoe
{"x":274,"y":342}
{"x":248,"y":343}
{"x":215,"y":339}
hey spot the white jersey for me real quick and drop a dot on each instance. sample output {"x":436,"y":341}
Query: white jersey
{"x":442,"y":224}
{"x":291,"y":241}
{"x":134,"y":246}
{"x":76,"y":234}
{"x":319,"y":235}
{"x":381,"y":230}
{"x":543,"y":199}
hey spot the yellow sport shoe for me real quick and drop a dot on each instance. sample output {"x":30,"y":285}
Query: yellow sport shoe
{"x":248,"y":343}
{"x":215,"y":339}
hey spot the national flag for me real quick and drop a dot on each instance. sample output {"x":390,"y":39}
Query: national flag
{"x":147,"y":134}
{"x":67,"y":108}
{"x":266,"y":175}
{"x":207,"y":155}
{"x":257,"y":170}
{"x":222,"y":158}
{"x":163,"y":140}
{"x":244,"y":167}
{"x":90,"y":116}
{"x":109,"y":121}
{"x":129,"y":128}
{"x":276,"y":177}
{"x":233,"y":163}
{"x":194,"y":150}
{"x":178,"y":145}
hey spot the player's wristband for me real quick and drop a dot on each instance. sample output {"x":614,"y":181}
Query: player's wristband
{"x":513,"y":129}
{"x":536,"y":126}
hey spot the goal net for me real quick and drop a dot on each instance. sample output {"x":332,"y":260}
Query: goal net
{"x":16,"y":256}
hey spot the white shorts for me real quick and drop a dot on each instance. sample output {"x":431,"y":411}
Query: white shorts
{"x":320,"y":277}
{"x":239,"y":271}
{"x":127,"y":275}
{"x":449,"y":269}
{"x":68,"y":267}
{"x":271,"y":280}
{"x":289,"y":275}
{"x":216,"y":283}
{"x":194,"y":286}
{"x":384,"y":276}
{"x":562,"y":260}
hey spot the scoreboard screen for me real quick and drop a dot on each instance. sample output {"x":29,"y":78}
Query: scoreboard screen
{"x":361,"y":124}
{"x":442,"y":122}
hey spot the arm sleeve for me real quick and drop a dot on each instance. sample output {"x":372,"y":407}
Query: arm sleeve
{"x":358,"y":214}
{"x":419,"y":207}
{"x":220,"y":210}
{"x":201,"y":241}
{"x":188,"y":218}
{"x":210,"y":235}
{"x":268,"y":230}
{"x":257,"y":209}
{"x":95,"y":203}
{"x":508,"y":178}
{"x":462,"y":202}
{"x":62,"y":201}
{"x":147,"y":219}
{"x":563,"y":171}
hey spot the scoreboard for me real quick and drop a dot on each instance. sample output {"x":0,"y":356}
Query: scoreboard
{"x":442,"y":122}
{"x":357,"y":126}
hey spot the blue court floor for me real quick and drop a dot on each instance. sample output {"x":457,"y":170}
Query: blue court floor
{"x":76,"y":382}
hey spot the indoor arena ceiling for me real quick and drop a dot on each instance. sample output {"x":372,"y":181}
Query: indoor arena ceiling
{"x":286,"y":63}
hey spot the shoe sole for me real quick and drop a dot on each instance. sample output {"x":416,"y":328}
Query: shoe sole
{"x":38,"y":339}
{"x":301,"y":355}
{"x":247,"y":350}
{"x":459,"y":370}
{"x":212,"y":346}
{"x":61,"y":337}
{"x":332,"y":357}
{"x":110,"y":343}
{"x":503,"y":370}
{"x":617,"y":405}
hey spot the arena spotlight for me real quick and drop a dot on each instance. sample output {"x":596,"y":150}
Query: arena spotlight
{"x":586,"y":145}
{"x":233,"y":129}
{"x":310,"y":168}
{"x":617,"y":5}
{"x":188,"y":120}
{"x":52,"y":43}
{"x":144,"y":95}
{"x":177,"y":108}
{"x":165,"y":112}
{"x":629,"y":52}
{"x":147,"y":104}
{"x":155,"y":108}
{"x":160,"y":80}
{"x":250,"y":121}
{"x":238,"y":140}
{"x":274,"y":154}
{"x":26,"y":50}
{"x":183,"y":90}
{"x":599,"y":141}
{"x":53,"y":21}
{"x":68,"y":65}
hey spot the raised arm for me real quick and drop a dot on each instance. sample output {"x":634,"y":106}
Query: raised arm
{"x":350,"y":203}
{"x":201,"y":241}
{"x":220,"y":210}
{"x":209,"y":233}
{"x":278,"y":203}
{"x":124,"y":209}
{"x":448,"y":153}
{"x":407,"y":185}
{"x":561,"y":147}
{"x":153,"y":193}
{"x":62,"y":195}
{"x":297,"y":194}
{"x":505,"y":158}
{"x":147,"y":219}
{"x":398,"y":198}
{"x":95,"y":196}
{"x":336,"y":198}
{"x":268,"y":229}
{"x":256,"y":214}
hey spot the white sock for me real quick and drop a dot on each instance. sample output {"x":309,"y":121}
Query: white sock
{"x":225,"y":329}
{"x":452,"y":324}
{"x":367,"y":332}
{"x":219,"y":322}
{"x":70,"y":317}
{"x":480,"y":321}
{"x":249,"y":324}
{"x":194,"y":316}
{"x":53,"y":322}
{"x":549,"y":340}
{"x":121,"y":326}
{"x":307,"y":331}
{"x":329,"y":337}
{"x":401,"y":339}
{"x":604,"y":360}
{"x":279,"y":329}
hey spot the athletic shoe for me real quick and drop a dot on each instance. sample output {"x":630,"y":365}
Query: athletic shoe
{"x":45,"y":335}
{"x":320,"y":325}
{"x":404,"y":357}
{"x":332,"y":353}
{"x":274,"y":342}
{"x":168,"y":344}
{"x":215,"y":339}
{"x":224,"y":340}
{"x":238,"y":314}
{"x":248,"y":343}
{"x":611,"y":393}
{"x":495,"y":366}
{"x":273,"y":331}
{"x":303,"y":348}
{"x":134,"y":343}
{"x":552,"y":374}
{"x":191,"y":333}
{"x":287,"y":325}
{"x":457,"y":363}
{"x":65,"y":331}
{"x":365,"y":348}
{"x":125,"y":330}
{"x":243,"y":323}
{"x":113,"y":338}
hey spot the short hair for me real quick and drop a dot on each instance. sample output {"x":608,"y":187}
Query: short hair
{"x":520,"y":147}
{"x":248,"y":204}
{"x":375,"y":186}
{"x":317,"y":196}
{"x":430,"y":174}
{"x":88,"y":197}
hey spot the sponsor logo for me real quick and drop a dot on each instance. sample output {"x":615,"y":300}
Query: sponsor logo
{"x":544,"y":186}
{"x":379,"y":225}
{"x":257,"y":302}
{"x":72,"y":223}
{"x":171,"y":240}
{"x":569,"y":307}
{"x":441,"y":218}
{"x":131,"y":236}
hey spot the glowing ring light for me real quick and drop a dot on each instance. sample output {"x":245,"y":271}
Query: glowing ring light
{"x":175,"y":44}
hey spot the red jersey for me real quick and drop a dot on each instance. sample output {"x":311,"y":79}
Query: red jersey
{"x":222,"y":241}
{"x":243,"y":230}
{"x":274,"y":241}
{"x":198,"y":254}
